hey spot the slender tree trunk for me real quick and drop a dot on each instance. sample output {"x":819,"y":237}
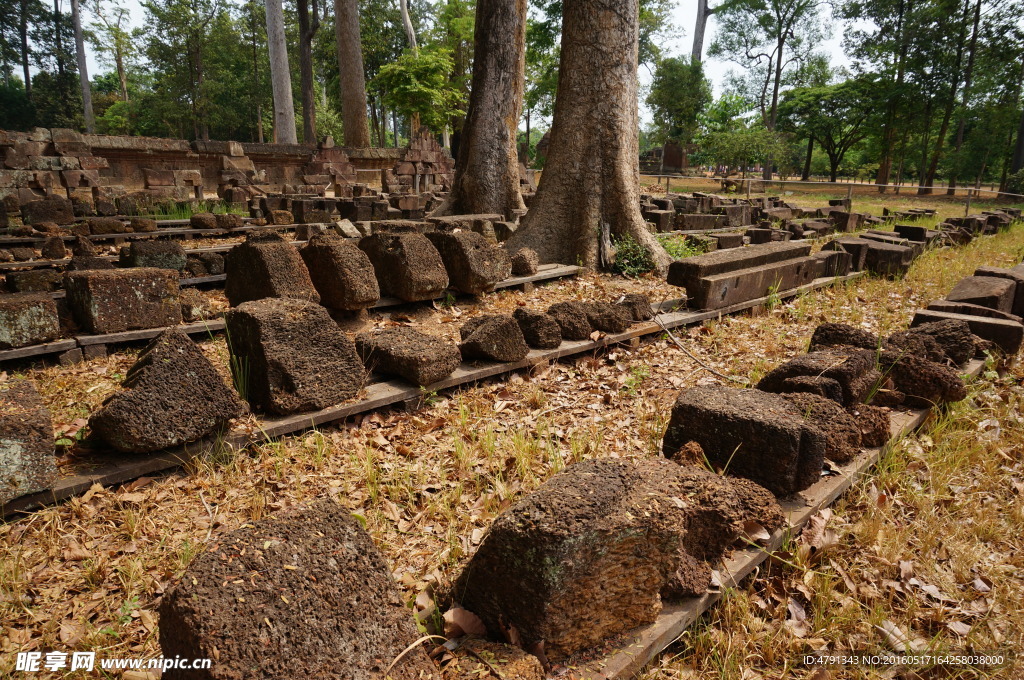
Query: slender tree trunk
{"x":23,"y":34}
{"x":83,"y":70}
{"x":889,"y":131}
{"x":589,"y":193}
{"x":697,"y":53}
{"x":280,"y":75}
{"x":774,"y":111}
{"x":307,"y":30}
{"x":961,"y":124}
{"x":122,"y":75}
{"x":375,"y":121}
{"x":410,"y":32}
{"x":947,"y":115}
{"x":58,"y":41}
{"x":487,"y":171}
{"x":807,"y":162}
{"x":1018,"y":150}
{"x":350,"y":74}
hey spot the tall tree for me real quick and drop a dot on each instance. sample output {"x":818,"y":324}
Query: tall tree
{"x":589,"y":194}
{"x":280,"y":75}
{"x":487,"y":172}
{"x":307,"y":31}
{"x":112,"y":41}
{"x":768,"y":37}
{"x":351,"y":76}
{"x":679,"y":93}
{"x":83,"y":69}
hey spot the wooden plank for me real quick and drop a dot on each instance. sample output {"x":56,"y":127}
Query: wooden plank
{"x":642,"y":646}
{"x":378,"y":395}
{"x":147,"y":333}
{"x":36,"y":350}
{"x":545,"y":272}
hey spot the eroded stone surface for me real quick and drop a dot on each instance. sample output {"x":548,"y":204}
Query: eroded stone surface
{"x":474,"y":263}
{"x":749,"y":433}
{"x":316,"y":576}
{"x":493,"y":337}
{"x":341,"y":272}
{"x":419,"y":358}
{"x":27,"y":319}
{"x":266,"y":266}
{"x":853,"y":369}
{"x":290,"y":356}
{"x":609,"y":531}
{"x":540,"y":330}
{"x":407,"y":265}
{"x":116,"y":300}
{"x":171,"y":395}
{"x":27,"y":462}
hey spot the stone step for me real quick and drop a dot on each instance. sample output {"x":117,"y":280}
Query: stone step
{"x":1006,"y":334}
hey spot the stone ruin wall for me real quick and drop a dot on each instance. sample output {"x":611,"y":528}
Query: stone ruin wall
{"x":91,"y":168}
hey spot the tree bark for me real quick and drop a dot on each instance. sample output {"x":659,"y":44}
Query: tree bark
{"x":307,"y":30}
{"x":83,"y":70}
{"x":961,"y":124}
{"x":889,"y":133}
{"x":280,"y":75}
{"x":697,"y":53}
{"x":591,"y":181}
{"x":23,"y":34}
{"x":487,"y":170}
{"x":410,"y":32}
{"x":350,"y":74}
{"x":807,"y":162}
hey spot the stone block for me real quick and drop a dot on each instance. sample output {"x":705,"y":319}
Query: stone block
{"x":608,"y":317}
{"x":154,"y":253}
{"x":310,"y":559}
{"x":291,"y":357}
{"x":749,"y":433}
{"x":27,"y":319}
{"x":728,"y":240}
{"x":116,"y":300}
{"x":53,"y":209}
{"x":1016,"y":275}
{"x":854,"y":370}
{"x":686,"y":272}
{"x":341,"y":272}
{"x":638,"y":305}
{"x":615,"y":532}
{"x":988,"y":291}
{"x":105,"y":225}
{"x":1007,"y":335}
{"x":525,"y":262}
{"x":172,"y":395}
{"x":473,"y":263}
{"x":419,"y":358}
{"x":34,"y":281}
{"x":228,"y":220}
{"x":266,"y":266}
{"x":571,"y":317}
{"x":27,"y":463}
{"x":203,"y":220}
{"x":723,"y":290}
{"x":540,"y":330}
{"x":971,"y":310}
{"x":493,"y":337}
{"x":407,"y":265}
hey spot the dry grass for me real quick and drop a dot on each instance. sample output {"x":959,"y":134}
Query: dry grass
{"x":88,"y":574}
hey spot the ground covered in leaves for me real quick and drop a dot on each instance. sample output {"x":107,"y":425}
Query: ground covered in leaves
{"x":924,"y":555}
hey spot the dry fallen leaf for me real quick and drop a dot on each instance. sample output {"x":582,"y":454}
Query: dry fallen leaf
{"x":459,"y":622}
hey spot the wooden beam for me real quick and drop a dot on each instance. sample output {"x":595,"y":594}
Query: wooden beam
{"x":376,"y":395}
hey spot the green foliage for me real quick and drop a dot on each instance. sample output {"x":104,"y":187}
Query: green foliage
{"x":631,"y":258}
{"x":679,"y":94}
{"x":678,"y":247}
{"x":16,"y":111}
{"x":420,"y":84}
{"x":1015,"y":183}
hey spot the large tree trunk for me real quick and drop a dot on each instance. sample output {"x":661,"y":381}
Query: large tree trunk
{"x":280,"y":75}
{"x":350,"y":73}
{"x":590,"y":188}
{"x":307,"y":30}
{"x":487,"y":171}
{"x":1018,"y":150}
{"x":83,"y":70}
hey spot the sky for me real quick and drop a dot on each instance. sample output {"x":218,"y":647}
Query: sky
{"x":683,"y":18}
